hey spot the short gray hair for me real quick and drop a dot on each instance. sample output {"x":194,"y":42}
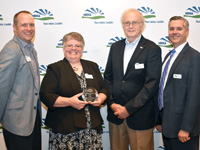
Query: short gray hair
{"x":186,"y":23}
{"x":73,"y":35}
{"x":132,"y":10}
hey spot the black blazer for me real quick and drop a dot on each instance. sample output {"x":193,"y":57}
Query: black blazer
{"x":60,"y":80}
{"x":136,"y":89}
{"x":181,"y":95}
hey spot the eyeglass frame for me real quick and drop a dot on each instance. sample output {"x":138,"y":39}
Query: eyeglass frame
{"x":70,"y":46}
{"x":133,"y":23}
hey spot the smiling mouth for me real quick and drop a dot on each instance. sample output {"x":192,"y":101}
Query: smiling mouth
{"x":175,"y":37}
{"x":73,"y":53}
{"x":131,"y":30}
{"x":28,"y":34}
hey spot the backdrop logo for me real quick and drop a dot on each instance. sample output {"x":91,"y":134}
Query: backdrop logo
{"x":160,"y":148}
{"x":193,"y":12}
{"x":147,"y":12}
{"x":101,"y":70}
{"x":3,"y":23}
{"x":164,"y":42}
{"x":43,"y":69}
{"x":93,"y":13}
{"x":1,"y":17}
{"x":113,"y":40}
{"x":60,"y":45}
{"x":42,"y":14}
{"x":44,"y":126}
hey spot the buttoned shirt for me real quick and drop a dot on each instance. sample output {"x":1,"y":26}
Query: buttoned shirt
{"x":29,"y":53}
{"x":178,"y":50}
{"x":129,"y":50}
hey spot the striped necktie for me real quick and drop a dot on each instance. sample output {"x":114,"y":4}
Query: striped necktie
{"x":162,"y":81}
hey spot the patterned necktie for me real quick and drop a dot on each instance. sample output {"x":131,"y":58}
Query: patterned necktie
{"x":162,"y":81}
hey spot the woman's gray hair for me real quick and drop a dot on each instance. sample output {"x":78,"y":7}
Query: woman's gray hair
{"x":73,"y":35}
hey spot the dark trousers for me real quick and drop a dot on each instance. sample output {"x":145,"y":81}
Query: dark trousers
{"x":175,"y":144}
{"x":31,"y":142}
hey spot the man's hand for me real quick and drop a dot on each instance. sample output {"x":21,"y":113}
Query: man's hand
{"x":183,"y":136}
{"x":115,"y":107}
{"x":121,"y":112}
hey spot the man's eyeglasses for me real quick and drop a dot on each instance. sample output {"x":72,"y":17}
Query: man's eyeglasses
{"x":133,"y":23}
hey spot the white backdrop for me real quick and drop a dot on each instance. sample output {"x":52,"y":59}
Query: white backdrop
{"x":99,"y":23}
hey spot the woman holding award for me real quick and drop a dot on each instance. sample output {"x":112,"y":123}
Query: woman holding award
{"x":74,"y":123}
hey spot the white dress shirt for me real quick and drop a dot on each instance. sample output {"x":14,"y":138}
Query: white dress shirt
{"x":129,"y":50}
{"x":178,"y":50}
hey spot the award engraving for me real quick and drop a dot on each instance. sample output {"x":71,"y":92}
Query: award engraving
{"x":89,"y":94}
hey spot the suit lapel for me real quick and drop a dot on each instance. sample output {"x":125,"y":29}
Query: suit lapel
{"x":72,"y":76}
{"x":177,"y":61}
{"x":166,"y":57}
{"x":37,"y":65}
{"x":86,"y":69}
{"x":136,"y":53}
{"x":24,"y":53}
{"x":120,"y":58}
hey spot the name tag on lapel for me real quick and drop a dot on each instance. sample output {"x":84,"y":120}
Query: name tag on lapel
{"x":139,"y":66}
{"x":88,"y":76}
{"x":28,"y":59}
{"x":177,"y":76}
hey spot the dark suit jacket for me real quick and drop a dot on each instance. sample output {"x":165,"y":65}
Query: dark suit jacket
{"x":136,"y":89}
{"x":60,"y":80}
{"x":181,"y":95}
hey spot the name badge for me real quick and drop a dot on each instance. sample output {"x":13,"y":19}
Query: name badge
{"x":139,"y":66}
{"x":28,"y":59}
{"x":88,"y":76}
{"x":177,"y":76}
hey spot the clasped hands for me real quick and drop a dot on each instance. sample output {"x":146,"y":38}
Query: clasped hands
{"x":119,"y":111}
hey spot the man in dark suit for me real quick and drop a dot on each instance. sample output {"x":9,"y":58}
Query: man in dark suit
{"x":132,"y":74}
{"x":179,"y":95}
{"x":19,"y":87}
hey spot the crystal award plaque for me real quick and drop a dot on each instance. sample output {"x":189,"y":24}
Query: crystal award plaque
{"x":89,"y":94}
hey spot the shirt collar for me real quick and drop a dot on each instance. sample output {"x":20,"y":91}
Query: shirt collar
{"x":180,"y":47}
{"x":24,"y":44}
{"x":134,"y":42}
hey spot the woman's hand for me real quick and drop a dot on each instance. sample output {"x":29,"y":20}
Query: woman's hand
{"x":72,"y":101}
{"x":76,"y":103}
{"x":100,"y":99}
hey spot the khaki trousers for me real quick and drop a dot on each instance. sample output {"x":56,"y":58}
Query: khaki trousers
{"x":121,"y":136}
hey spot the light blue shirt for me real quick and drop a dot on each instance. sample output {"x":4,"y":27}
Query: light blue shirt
{"x":29,"y":52}
{"x":129,"y":50}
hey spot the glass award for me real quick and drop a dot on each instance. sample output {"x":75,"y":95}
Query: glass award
{"x":89,"y":94}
